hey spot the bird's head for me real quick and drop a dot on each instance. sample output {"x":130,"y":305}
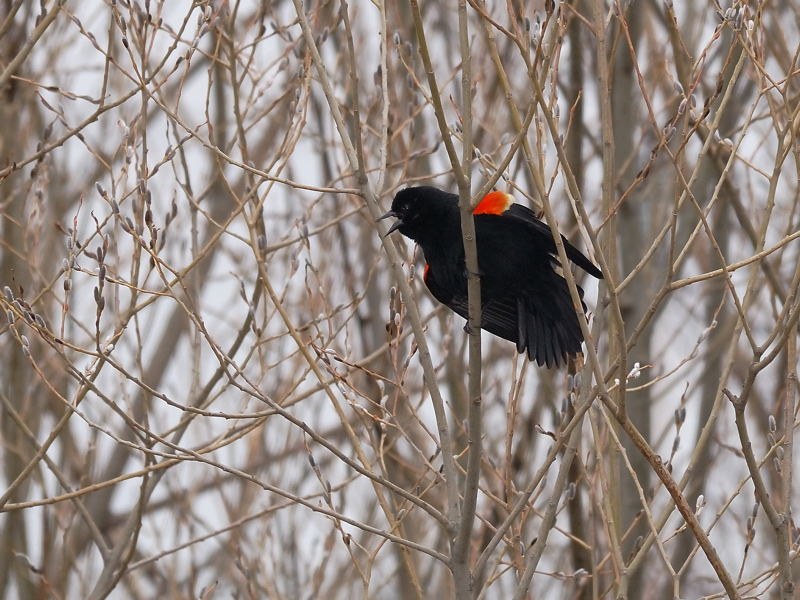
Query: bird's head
{"x":421,"y":212}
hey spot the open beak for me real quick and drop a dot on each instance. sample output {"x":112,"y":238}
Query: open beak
{"x":395,"y":225}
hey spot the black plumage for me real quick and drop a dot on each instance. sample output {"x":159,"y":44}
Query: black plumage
{"x":524,"y":299}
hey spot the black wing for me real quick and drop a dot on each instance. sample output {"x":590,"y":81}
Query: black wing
{"x":523,"y":213}
{"x":547,"y":326}
{"x":544,"y":325}
{"x":498,"y":316}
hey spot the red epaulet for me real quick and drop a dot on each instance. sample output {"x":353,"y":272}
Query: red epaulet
{"x":494,"y":203}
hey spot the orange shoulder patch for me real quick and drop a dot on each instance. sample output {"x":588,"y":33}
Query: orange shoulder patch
{"x":494,"y":203}
{"x":425,"y":273}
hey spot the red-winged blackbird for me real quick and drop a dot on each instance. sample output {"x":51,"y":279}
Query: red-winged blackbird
{"x":523,"y":298}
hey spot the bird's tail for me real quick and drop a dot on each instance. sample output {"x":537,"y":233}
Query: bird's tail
{"x":548,"y":327}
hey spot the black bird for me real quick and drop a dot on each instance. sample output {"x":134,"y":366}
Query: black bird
{"x":524,"y":299}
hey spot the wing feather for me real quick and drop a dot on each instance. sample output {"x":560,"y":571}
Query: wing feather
{"x":523,"y":213}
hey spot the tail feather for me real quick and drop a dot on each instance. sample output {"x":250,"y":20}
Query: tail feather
{"x":548,"y":328}
{"x":522,"y":327}
{"x":542,"y":323}
{"x":537,"y":338}
{"x":550,"y":343}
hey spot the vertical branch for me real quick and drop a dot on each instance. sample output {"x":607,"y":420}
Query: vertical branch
{"x":461,"y":574}
{"x":787,"y":462}
{"x":460,"y":559}
{"x":616,"y":336}
{"x":384,"y":64}
{"x":611,"y":514}
{"x":436,"y":98}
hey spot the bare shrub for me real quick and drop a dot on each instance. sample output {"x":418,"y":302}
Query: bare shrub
{"x":221,"y":379}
